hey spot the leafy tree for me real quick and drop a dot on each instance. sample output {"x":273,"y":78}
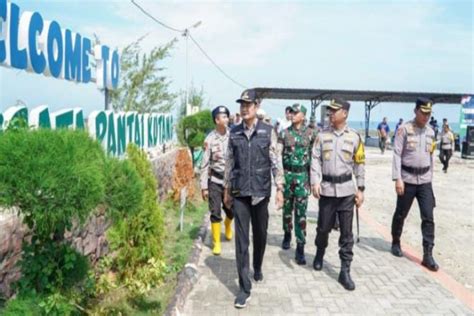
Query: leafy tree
{"x":195,"y":99}
{"x":143,"y":87}
{"x":192,"y":129}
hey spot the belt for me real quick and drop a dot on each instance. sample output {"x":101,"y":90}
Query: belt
{"x":416,"y":171}
{"x":337,"y":179}
{"x":217,"y":175}
{"x":296,"y":168}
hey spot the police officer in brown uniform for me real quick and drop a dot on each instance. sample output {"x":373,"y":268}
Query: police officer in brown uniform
{"x":212,"y":176}
{"x":412,"y":171}
{"x":338,"y":154}
{"x":447,"y":146}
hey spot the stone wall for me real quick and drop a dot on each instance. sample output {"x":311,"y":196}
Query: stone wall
{"x":173,"y":170}
{"x":88,"y":239}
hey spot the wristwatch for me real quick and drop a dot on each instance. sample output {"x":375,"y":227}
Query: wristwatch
{"x":361,"y":188}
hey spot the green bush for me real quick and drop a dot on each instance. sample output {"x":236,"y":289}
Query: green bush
{"x":22,"y":306}
{"x":32,"y":304}
{"x":52,"y":176}
{"x":47,"y":267}
{"x":192,"y":129}
{"x":139,"y":236}
{"x":124,"y":189}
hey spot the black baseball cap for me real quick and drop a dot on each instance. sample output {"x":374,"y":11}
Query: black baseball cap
{"x":339,"y":103}
{"x":249,"y":95}
{"x":424,"y":104}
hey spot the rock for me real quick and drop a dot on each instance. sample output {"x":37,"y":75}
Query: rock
{"x":100,"y":226}
{"x":4,"y":245}
{"x":90,"y":244}
{"x":102,"y":247}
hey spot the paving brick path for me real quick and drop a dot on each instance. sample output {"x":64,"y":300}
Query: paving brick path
{"x":384,"y":284}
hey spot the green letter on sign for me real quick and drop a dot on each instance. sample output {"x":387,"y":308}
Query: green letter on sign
{"x":111,"y":142}
{"x":121,"y":134}
{"x":100,"y":126}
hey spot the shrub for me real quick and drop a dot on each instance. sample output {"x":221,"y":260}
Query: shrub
{"x":53,"y":177}
{"x":23,"y":306}
{"x":124,"y":189}
{"x":47,"y":267}
{"x":139,"y":236}
{"x":192,"y":129}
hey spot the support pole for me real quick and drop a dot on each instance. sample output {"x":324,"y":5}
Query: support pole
{"x":315,"y":102}
{"x":369,"y":105}
{"x":106,"y":99}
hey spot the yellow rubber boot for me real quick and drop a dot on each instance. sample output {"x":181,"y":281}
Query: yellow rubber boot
{"x":228,"y":228}
{"x":216,"y":238}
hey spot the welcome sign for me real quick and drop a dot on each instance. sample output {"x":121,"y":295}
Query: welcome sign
{"x":114,"y":130}
{"x":29,"y":42}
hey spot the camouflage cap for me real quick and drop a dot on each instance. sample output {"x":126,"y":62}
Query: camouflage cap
{"x":298,"y":108}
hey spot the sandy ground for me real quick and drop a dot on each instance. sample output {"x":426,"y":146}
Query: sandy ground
{"x":454,"y":213}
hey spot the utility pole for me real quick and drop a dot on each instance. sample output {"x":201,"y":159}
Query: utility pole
{"x":186,"y":92}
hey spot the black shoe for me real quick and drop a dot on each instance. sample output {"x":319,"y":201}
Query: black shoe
{"x":241,"y":299}
{"x":396,"y":250}
{"x":299,"y":254}
{"x":429,"y":262}
{"x":286,"y":241}
{"x":258,"y":276}
{"x":345,"y":277}
{"x":318,"y":260}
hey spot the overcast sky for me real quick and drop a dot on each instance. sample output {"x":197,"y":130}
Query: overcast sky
{"x":368,"y":45}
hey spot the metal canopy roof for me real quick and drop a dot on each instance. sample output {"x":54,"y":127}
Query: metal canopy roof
{"x":357,"y":95}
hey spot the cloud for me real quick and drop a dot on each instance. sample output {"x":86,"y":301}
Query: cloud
{"x":234,"y":34}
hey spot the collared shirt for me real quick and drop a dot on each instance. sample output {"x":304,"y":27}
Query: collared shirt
{"x":413,"y":147}
{"x":334,"y":154}
{"x":275,"y":159}
{"x":284,"y":124}
{"x":213,"y":160}
{"x":447,"y":140}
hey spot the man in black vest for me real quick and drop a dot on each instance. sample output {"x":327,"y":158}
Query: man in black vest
{"x":253,"y":156}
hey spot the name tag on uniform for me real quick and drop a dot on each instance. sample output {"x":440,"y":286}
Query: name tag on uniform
{"x":261,"y":131}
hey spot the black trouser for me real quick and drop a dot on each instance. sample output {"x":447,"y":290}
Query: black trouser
{"x":344,"y":208}
{"x":382,"y":143}
{"x":444,"y":156}
{"x":245,"y":213}
{"x":426,"y":201}
{"x":216,"y":198}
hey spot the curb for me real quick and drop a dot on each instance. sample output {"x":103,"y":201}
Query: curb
{"x":189,"y":275}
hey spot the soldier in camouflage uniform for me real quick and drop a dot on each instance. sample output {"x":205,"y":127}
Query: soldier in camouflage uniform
{"x":296,"y":142}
